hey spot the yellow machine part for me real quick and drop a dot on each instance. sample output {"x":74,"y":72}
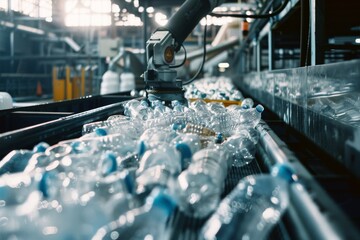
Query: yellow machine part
{"x":70,"y":87}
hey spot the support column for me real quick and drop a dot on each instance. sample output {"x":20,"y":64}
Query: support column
{"x":317,"y":32}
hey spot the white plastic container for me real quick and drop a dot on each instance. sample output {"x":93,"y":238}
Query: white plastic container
{"x":127,"y":82}
{"x":110,"y":82}
{"x":6,"y":101}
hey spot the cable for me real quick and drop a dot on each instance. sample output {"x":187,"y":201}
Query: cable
{"x":268,"y":15}
{"x":203,"y":59}
{"x":183,"y":62}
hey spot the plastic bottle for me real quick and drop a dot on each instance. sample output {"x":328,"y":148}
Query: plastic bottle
{"x":222,"y":123}
{"x":17,"y":160}
{"x":17,"y":217}
{"x":69,"y":220}
{"x":120,"y":145}
{"x":202,"y":113}
{"x":247,"y":103}
{"x":216,"y":107}
{"x":177,"y":106}
{"x":241,"y":149}
{"x":199,"y":187}
{"x":187,"y":145}
{"x":154,"y":137}
{"x":250,"y":211}
{"x":146,"y":222}
{"x":112,"y":121}
{"x":251,"y":117}
{"x":156,"y":167}
{"x":135,"y":109}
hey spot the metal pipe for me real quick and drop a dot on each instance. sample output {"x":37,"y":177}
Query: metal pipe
{"x":57,"y":57}
{"x":319,"y":224}
{"x":316,"y":224}
{"x":12,"y":49}
{"x":313,"y":31}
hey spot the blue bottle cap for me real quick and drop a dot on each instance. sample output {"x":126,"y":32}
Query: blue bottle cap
{"x":141,"y":148}
{"x":165,"y":202}
{"x":259,"y":108}
{"x":284,"y":171}
{"x":40,"y":147}
{"x":219,"y":138}
{"x":109,"y":163}
{"x":100,"y":132}
{"x":129,"y":183}
{"x":44,"y":183}
{"x":178,"y":126}
{"x":185,"y":152}
{"x":203,"y":95}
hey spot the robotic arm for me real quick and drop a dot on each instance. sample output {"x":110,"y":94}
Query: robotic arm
{"x":160,"y":79}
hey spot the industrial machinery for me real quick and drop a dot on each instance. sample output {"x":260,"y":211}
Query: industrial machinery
{"x":160,"y":78}
{"x":71,"y":82}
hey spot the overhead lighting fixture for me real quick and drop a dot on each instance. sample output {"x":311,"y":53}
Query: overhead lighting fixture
{"x":161,"y":19}
{"x":357,"y":40}
{"x":150,"y":10}
{"x":115,"y":8}
{"x":223,"y":65}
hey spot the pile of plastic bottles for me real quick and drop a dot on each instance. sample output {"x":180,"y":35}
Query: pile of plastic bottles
{"x":344,"y":108}
{"x":124,"y":177}
{"x":219,"y":88}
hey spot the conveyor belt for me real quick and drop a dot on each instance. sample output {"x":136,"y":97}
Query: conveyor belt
{"x":187,"y":228}
{"x":310,"y":214}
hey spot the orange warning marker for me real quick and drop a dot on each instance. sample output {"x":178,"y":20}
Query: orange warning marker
{"x":38,"y":89}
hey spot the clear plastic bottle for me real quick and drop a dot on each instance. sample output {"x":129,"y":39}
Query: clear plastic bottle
{"x":199,"y":187}
{"x":202,"y":114}
{"x":120,"y":145}
{"x":251,"y":117}
{"x":156,"y":167}
{"x":250,"y":211}
{"x":146,"y":222}
{"x":241,"y":149}
{"x":17,"y":160}
{"x":222,"y":123}
{"x":136,"y":110}
{"x":216,"y":107}
{"x":187,"y":145}
{"x":154,"y":137}
{"x":247,"y":103}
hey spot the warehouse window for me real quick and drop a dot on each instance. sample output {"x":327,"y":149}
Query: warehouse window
{"x":87,"y":13}
{"x":32,"y":8}
{"x":3,"y":5}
